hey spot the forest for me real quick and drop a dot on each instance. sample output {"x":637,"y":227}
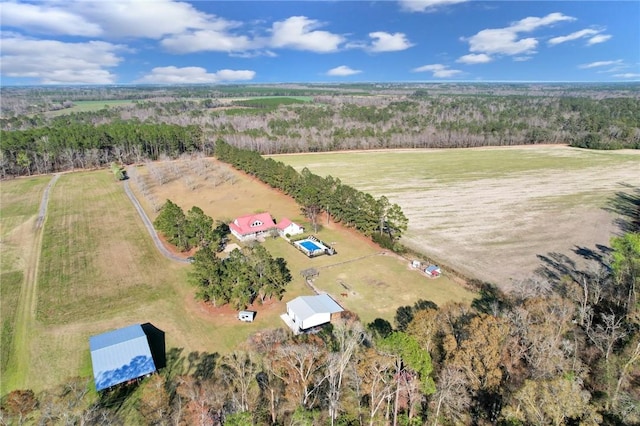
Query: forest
{"x":173,"y":121}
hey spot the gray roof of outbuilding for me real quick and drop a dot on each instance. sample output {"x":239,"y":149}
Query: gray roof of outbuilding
{"x":307,"y":306}
{"x":120,"y":355}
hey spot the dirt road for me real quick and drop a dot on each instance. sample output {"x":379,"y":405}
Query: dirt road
{"x":149,"y":225}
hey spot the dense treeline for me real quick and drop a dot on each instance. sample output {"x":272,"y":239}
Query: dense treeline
{"x":562,"y":349}
{"x":431,"y":117}
{"x":69,"y":145}
{"x":376,"y":218}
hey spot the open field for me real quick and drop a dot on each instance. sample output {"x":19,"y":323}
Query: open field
{"x":19,"y":201}
{"x":489,"y":212}
{"x":85,"y":106}
{"x":98,"y":270}
{"x":376,"y":282}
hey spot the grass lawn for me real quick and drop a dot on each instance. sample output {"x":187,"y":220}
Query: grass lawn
{"x":99,"y":271}
{"x":19,"y":200}
{"x":19,"y":203}
{"x":96,"y":257}
{"x":377,"y":284}
{"x":10,"y":289}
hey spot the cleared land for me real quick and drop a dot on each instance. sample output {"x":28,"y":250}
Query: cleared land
{"x":99,"y":269}
{"x":19,"y":250}
{"x":374,"y":281}
{"x":86,"y":106}
{"x":489,"y":212}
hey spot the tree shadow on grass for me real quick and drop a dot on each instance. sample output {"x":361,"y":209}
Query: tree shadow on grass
{"x":556,"y":266}
{"x":198,"y":364}
{"x":626,"y":204}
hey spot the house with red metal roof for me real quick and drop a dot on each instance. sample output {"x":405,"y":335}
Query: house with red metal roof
{"x":287,"y":227}
{"x":251,"y":226}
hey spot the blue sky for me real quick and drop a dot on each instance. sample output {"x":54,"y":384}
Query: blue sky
{"x":170,"y":41}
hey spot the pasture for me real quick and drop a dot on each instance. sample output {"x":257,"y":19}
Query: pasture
{"x":19,"y":202}
{"x":98,"y":270}
{"x":88,"y":106}
{"x":489,"y":212}
{"x":375,"y":282}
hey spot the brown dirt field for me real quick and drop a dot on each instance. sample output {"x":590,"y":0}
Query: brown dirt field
{"x":494,"y":229}
{"x":492,"y":220}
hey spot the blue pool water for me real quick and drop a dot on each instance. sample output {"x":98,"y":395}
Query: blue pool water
{"x":310,"y":245}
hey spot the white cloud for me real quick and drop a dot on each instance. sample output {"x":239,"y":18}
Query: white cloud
{"x":594,"y":37}
{"x":147,"y":19}
{"x":600,"y":64}
{"x":300,"y":33}
{"x":438,"y":70}
{"x":522,"y":58}
{"x":600,"y":38}
{"x":426,"y":5}
{"x":532,"y":23}
{"x":342,"y":71}
{"x":502,"y":41}
{"x":194,"y":75}
{"x":475,"y":58}
{"x":207,"y":40}
{"x":628,"y":75}
{"x":115,"y":19}
{"x":53,"y":62}
{"x":573,"y":36}
{"x":386,"y":42}
{"x":48,"y":19}
{"x":506,"y":41}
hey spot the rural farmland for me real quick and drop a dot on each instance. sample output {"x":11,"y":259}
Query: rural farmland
{"x":489,"y":212}
{"x":91,"y":226}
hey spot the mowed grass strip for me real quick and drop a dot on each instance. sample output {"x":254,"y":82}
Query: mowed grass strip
{"x":19,"y":203}
{"x":97,"y":258}
{"x":10,"y":283}
{"x":19,"y":200}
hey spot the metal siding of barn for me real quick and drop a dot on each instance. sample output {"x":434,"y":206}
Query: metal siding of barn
{"x":310,"y":311}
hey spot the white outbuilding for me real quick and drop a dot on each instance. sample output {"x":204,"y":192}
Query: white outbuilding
{"x":306,"y":312}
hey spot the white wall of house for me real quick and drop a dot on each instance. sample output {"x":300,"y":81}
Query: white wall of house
{"x":292,"y":229}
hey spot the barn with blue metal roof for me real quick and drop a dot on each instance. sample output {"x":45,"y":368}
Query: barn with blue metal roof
{"x":119,"y":356}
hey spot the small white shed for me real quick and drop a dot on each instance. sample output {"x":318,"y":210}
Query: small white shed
{"x":306,"y":312}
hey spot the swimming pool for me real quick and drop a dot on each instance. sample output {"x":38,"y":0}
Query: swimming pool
{"x":312,"y":246}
